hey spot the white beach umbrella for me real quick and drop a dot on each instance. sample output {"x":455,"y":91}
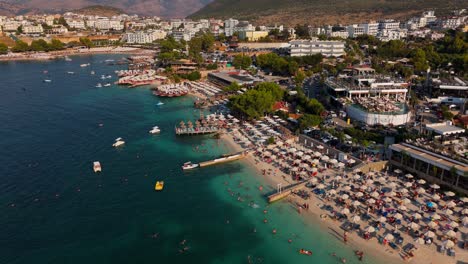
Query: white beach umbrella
{"x":392,"y":185}
{"x":387,"y":199}
{"x":417,"y":216}
{"x":315,"y":161}
{"x":451,"y":233}
{"x":448,"y":244}
{"x":325,"y":158}
{"x":420,"y":241}
{"x":369,"y":182}
{"x":306,"y":157}
{"x":409,"y":176}
{"x":397,"y":171}
{"x":344,"y":196}
{"x":333,"y":161}
{"x":421,"y":181}
{"x":402,"y":208}
{"x":435,"y":216}
{"x":321,"y":186}
{"x":451,"y":204}
{"x":347,"y":188}
{"x":332,"y":191}
{"x":359,"y":194}
{"x":356,"y":203}
{"x":429,"y":234}
{"x":356,"y":219}
{"x":465,"y":211}
{"x":382,"y":219}
{"x":406,"y":201}
{"x":464,"y":199}
{"x":371,"y":201}
{"x":338,"y":177}
{"x":317,"y":154}
{"x":351,"y":161}
{"x":404,"y":191}
{"x":447,"y":212}
{"x":408,"y":184}
{"x":432,"y":224}
{"x":453,"y":224}
{"x":421,"y":190}
{"x":436,"y":197}
{"x":398,"y":216}
{"x":380,"y":179}
{"x":295,"y":169}
{"x":345,"y":211}
{"x":300,"y":153}
{"x":291,"y":150}
{"x":369,"y":229}
{"x":314,"y":180}
{"x":391,"y":194}
{"x":341,"y":164}
{"x":389,"y":237}
{"x":375,"y":194}
{"x":357,"y":177}
{"x":434,"y":186}
{"x":450,"y":194}
{"x":413,"y":226}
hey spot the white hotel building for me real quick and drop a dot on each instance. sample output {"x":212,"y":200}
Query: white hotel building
{"x":143,"y":37}
{"x":315,"y":46}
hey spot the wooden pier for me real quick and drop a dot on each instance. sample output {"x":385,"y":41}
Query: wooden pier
{"x":286,"y":191}
{"x":233,"y":157}
{"x":200,"y":131}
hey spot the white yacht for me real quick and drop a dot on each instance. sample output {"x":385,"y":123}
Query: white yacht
{"x":155,"y":130}
{"x":85,"y":65}
{"x":47,"y":80}
{"x":107,"y":85}
{"x":97,"y":166}
{"x":189,"y":165}
{"x":118,"y":142}
{"x":93,"y":72}
{"x":99,"y":85}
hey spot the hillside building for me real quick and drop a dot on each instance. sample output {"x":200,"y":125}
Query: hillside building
{"x":315,"y":46}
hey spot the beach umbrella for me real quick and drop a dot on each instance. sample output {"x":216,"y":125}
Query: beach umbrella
{"x":321,"y":186}
{"x":315,"y":161}
{"x":432,"y":224}
{"x":435,"y":216}
{"x":338,"y":178}
{"x":345,"y":211}
{"x":417,"y":216}
{"x":306,"y":157}
{"x":341,"y":164}
{"x":421,"y":190}
{"x":347,"y":188}
{"x":391,"y":194}
{"x":382,"y":219}
{"x":448,"y":244}
{"x":450,"y":194}
{"x":314,"y":180}
{"x":420,"y":241}
{"x":389,"y":237}
{"x":406,"y":201}
{"x":325,"y":158}
{"x":359,"y":194}
{"x":451,"y":233}
{"x":431,"y":205}
{"x":357,"y":177}
{"x":451,"y":204}
{"x":397,"y":171}
{"x":402,"y":208}
{"x":375,"y":194}
{"x":320,"y":147}
{"x":300,"y":153}
{"x":332,"y":191}
{"x":434,"y":186}
{"x":465,"y":220}
{"x":436,"y":197}
{"x":371,"y":201}
{"x":409,"y":176}
{"x":291,"y":150}
{"x":453,"y":224}
{"x":369,"y":182}
{"x":429,"y":234}
{"x":333,"y":161}
{"x":317,"y":154}
{"x":295,"y":169}
{"x":447,"y":212}
{"x":421,"y":181}
{"x":413,"y":226}
{"x":404,"y":191}
{"x":356,"y":203}
{"x":356,"y":219}
{"x":465,"y":211}
{"x":464,"y":199}
{"x":398,"y":216}
{"x":369,"y":229}
{"x":392,"y":185}
{"x":344,"y":196}
{"x":408,"y":184}
{"x":380,"y":179}
{"x":387,"y":199}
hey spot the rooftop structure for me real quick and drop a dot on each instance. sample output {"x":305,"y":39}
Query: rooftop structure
{"x":315,"y":46}
{"x":228,"y":77}
{"x":444,"y":129}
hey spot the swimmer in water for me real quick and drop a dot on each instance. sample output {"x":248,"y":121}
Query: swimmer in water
{"x":183,"y":242}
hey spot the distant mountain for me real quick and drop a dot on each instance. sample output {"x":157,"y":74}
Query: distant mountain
{"x":322,"y":11}
{"x":162,"y":8}
{"x":99,"y":10}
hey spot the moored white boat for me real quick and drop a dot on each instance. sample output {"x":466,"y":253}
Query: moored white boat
{"x":99,"y":85}
{"x":155,"y":130}
{"x":97,"y":166}
{"x":107,"y":85}
{"x":189,"y":165}
{"x":118,"y":142}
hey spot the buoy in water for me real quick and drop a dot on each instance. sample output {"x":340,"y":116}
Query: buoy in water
{"x":265,"y":220}
{"x":274,"y":231}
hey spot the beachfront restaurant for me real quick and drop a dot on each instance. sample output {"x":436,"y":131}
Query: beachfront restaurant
{"x":431,"y":166}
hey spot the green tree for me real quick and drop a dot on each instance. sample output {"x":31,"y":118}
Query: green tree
{"x":62,"y":21}
{"x":39,"y":45}
{"x":242,"y":62}
{"x":20,"y":46}
{"x":3,"y":49}
{"x":308,"y":120}
{"x":56,"y":44}
{"x":233,"y":87}
{"x":19,"y":30}
{"x":86,"y":42}
{"x":419,"y":60}
{"x":194,"y":76}
{"x":299,"y":78}
{"x":302,"y":31}
{"x":271,"y":140}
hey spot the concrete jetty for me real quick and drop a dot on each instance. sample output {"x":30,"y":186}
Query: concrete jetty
{"x":284,"y":192}
{"x":223,"y":159}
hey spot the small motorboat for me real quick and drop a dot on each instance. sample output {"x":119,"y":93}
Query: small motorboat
{"x":99,"y":85}
{"x":160,"y":103}
{"x":93,"y":72}
{"x":103,"y":77}
{"x":155,"y":130}
{"x":107,"y":85}
{"x":118,"y":142}
{"x":67,"y":58}
{"x":189,"y":165}
{"x":305,"y":252}
{"x":159,"y":186}
{"x":109,"y":76}
{"x":84,"y":65}
{"x":47,"y":80}
{"x":97,"y":166}
{"x":70,"y":72}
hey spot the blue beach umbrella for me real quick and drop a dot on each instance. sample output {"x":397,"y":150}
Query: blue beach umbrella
{"x":430,"y":204}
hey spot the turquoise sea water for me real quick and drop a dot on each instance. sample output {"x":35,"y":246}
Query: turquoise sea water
{"x":55,"y":209}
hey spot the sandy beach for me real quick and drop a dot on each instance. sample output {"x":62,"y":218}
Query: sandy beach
{"x":425,"y":254}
